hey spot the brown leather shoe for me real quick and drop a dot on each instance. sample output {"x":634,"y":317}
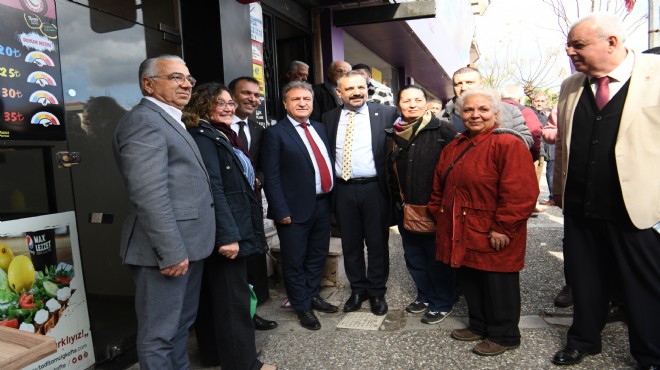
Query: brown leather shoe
{"x":465,"y":335}
{"x":488,"y":348}
{"x":565,"y":297}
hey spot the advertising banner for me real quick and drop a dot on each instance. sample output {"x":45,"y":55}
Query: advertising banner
{"x":31,"y":98}
{"x":41,"y":287}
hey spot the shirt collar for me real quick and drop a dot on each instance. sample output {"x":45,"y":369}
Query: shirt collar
{"x":362,"y":110}
{"x":623,"y":71}
{"x":296,"y":123}
{"x":236,"y":120}
{"x":172,"y":111}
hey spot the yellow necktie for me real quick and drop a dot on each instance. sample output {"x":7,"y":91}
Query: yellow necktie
{"x":348,"y":148}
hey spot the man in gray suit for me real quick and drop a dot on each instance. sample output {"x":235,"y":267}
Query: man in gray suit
{"x":169,"y":228}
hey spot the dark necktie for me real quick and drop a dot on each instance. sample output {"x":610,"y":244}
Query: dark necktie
{"x":326,"y":181}
{"x":602,"y":92}
{"x":242,"y":136}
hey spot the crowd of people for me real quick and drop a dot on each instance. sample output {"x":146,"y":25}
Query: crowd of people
{"x":460,"y":182}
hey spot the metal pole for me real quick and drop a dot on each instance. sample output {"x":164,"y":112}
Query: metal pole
{"x":654,"y":25}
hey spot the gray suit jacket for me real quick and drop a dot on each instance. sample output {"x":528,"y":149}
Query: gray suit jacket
{"x":170,"y":211}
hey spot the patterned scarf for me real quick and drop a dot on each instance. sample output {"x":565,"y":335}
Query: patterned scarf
{"x":405,"y":129}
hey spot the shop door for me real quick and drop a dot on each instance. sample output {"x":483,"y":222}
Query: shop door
{"x":100,"y":55}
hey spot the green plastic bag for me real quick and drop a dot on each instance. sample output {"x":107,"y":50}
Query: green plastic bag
{"x":253,"y":301}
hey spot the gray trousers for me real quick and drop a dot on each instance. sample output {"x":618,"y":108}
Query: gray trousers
{"x":166,"y":308}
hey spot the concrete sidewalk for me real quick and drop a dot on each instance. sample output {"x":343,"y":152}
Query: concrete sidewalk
{"x":403,"y":342}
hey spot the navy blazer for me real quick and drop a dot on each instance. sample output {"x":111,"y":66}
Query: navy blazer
{"x":289,"y":178}
{"x":380,"y":117}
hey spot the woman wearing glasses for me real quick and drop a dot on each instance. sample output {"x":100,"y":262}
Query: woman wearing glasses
{"x":224,"y":329}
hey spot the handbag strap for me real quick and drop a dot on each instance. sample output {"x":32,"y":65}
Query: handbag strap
{"x":451,"y":166}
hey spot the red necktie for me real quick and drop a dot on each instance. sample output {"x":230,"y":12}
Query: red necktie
{"x":326,"y":181}
{"x":602,"y":92}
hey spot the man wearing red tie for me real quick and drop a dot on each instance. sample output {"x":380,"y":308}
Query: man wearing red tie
{"x":606,"y":180}
{"x":297,"y":182}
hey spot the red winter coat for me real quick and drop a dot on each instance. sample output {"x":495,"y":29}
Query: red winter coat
{"x":492,"y":187}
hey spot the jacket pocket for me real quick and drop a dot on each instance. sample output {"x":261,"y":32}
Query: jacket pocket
{"x":477,"y":227}
{"x":188,"y":213}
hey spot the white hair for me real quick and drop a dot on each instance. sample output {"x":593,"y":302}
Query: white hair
{"x":607,"y":24}
{"x":512,"y":91}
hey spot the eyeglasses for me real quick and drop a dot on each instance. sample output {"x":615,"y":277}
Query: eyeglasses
{"x":221,"y":104}
{"x":179,"y":78}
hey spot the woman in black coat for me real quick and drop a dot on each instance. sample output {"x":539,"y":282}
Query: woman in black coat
{"x":415,"y":142}
{"x":224,"y":328}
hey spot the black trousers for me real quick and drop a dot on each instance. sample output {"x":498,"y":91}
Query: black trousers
{"x":304,"y":248}
{"x":224,"y":328}
{"x":257,"y":275}
{"x":362,"y":213}
{"x":493,"y":300}
{"x":598,"y":252}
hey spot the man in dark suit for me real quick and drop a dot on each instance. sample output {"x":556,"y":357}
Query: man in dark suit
{"x":245,"y":91}
{"x":297,"y":182}
{"x":170,"y":223}
{"x":357,"y":140}
{"x":606,"y":181}
{"x":325,"y":94}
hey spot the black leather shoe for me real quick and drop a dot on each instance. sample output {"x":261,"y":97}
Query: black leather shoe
{"x":378,"y":305}
{"x":616,"y":313}
{"x":308,"y":320}
{"x":565,"y":297}
{"x":650,"y":367}
{"x":569,"y":356}
{"x":262,"y":324}
{"x":354,"y":302}
{"x":322,"y":306}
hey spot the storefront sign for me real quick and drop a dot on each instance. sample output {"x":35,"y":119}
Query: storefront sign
{"x":41,"y":287}
{"x":31,"y":97}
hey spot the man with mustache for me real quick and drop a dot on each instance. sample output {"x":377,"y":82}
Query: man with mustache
{"x":606,"y":181}
{"x":297,"y":181}
{"x":356,"y":132}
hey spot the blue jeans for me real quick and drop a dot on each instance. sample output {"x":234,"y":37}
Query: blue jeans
{"x":435,"y":281}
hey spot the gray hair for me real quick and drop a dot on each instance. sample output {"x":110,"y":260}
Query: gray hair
{"x":607,"y":24}
{"x":148,"y":67}
{"x":296,"y":85}
{"x":488,"y":94}
{"x":293,"y":66}
{"x":512,"y":91}
{"x":354,"y":72}
{"x":540,"y":93}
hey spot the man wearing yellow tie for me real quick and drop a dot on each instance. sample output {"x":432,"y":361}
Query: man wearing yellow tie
{"x":356,"y":132}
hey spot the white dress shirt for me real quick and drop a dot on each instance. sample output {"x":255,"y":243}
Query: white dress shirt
{"x":235,"y":127}
{"x":320,"y":145}
{"x":170,"y":110}
{"x":618,"y":76}
{"x":362,"y":156}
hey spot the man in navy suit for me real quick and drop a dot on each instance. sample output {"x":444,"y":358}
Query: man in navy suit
{"x":245,"y":91}
{"x":360,"y":201}
{"x":297,"y":180}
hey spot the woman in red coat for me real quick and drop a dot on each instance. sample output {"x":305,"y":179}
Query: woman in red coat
{"x":484,"y":191}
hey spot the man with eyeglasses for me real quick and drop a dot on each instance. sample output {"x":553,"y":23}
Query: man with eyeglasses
{"x":245,"y":92}
{"x":170,"y":223}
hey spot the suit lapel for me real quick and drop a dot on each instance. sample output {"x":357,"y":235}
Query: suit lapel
{"x":178,"y":127}
{"x":640,"y":81}
{"x":376,"y":128}
{"x":293,"y":134}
